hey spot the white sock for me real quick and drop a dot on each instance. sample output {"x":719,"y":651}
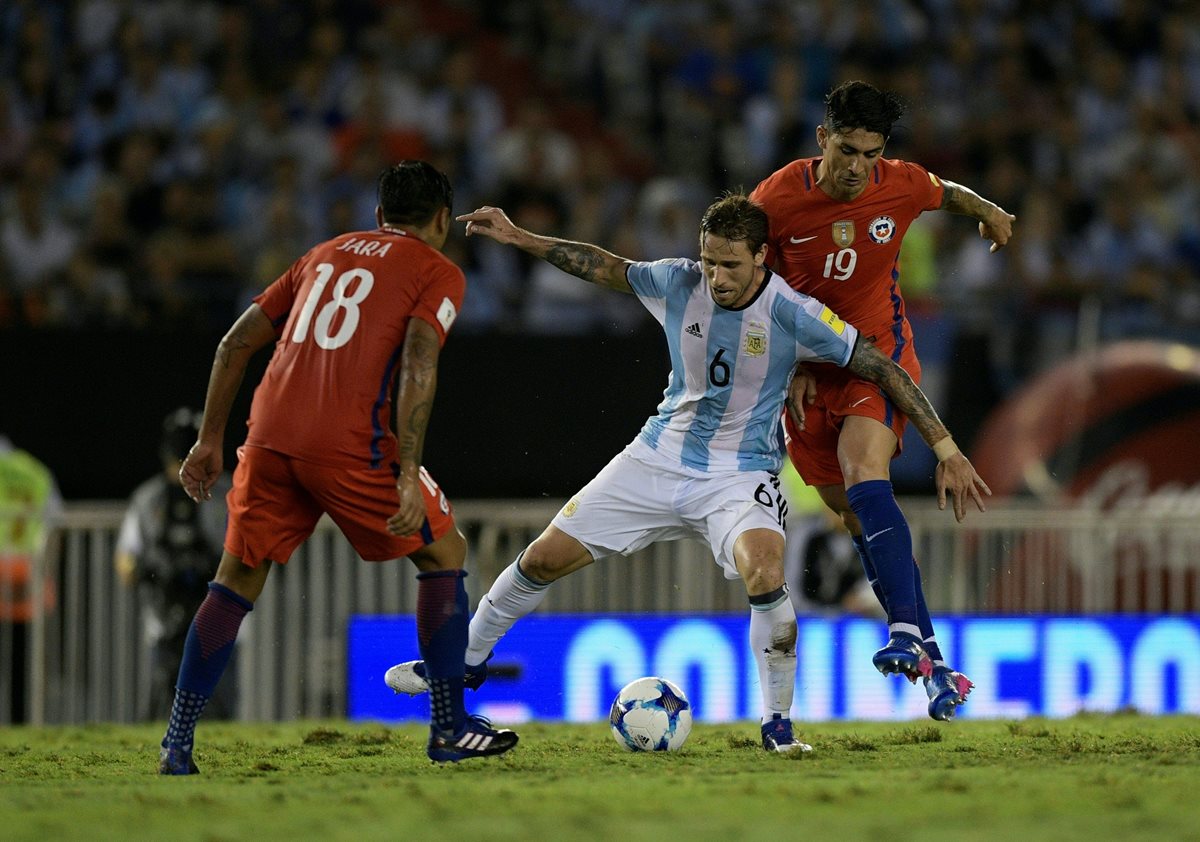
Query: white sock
{"x":512,"y":596}
{"x":773,"y":641}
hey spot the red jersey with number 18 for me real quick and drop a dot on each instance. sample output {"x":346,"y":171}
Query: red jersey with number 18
{"x":846,"y":254}
{"x":326,"y":396}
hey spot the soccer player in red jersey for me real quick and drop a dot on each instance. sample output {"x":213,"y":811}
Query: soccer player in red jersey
{"x":837,"y":222}
{"x":358,"y":323}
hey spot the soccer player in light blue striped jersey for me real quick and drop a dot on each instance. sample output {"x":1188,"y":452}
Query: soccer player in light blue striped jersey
{"x":705,"y":465}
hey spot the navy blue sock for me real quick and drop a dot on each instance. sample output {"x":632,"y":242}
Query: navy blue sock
{"x":206,"y":653}
{"x":889,"y":546}
{"x":860,"y":546}
{"x":926,"y":622}
{"x":442,"y":617}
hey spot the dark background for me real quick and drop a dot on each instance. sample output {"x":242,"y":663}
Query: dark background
{"x":514,"y":416}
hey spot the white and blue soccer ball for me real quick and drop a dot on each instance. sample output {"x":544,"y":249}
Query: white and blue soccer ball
{"x":650,"y":714}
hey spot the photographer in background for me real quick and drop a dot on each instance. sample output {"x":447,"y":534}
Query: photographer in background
{"x":167,"y":548}
{"x":822,"y":569}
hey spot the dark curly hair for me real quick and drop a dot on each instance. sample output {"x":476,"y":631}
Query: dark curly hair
{"x":412,"y":192}
{"x":859,"y":105}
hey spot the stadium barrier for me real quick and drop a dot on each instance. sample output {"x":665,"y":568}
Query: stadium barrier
{"x":86,"y":661}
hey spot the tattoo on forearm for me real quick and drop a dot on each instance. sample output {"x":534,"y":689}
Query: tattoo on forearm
{"x":411,"y":441}
{"x":420,"y":361}
{"x":870,"y":364}
{"x":962,"y":200}
{"x":418,"y":383}
{"x":949,"y":195}
{"x":234,"y":342}
{"x":578,"y":259}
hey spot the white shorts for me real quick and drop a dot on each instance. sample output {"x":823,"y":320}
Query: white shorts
{"x":632,"y":504}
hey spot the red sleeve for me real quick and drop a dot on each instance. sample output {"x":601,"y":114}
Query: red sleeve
{"x":926,"y":188}
{"x":762,"y":196}
{"x":276,"y":300}
{"x":441,"y":298}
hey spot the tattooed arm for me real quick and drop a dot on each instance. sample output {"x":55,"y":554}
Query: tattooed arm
{"x":417,"y":382}
{"x":204,"y":462}
{"x":995,"y":223}
{"x":954,"y":472}
{"x":589,"y":262}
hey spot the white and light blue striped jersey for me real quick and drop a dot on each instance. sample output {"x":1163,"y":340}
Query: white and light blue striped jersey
{"x":730,"y":369}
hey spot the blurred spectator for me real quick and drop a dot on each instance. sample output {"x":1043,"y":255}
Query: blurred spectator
{"x":29,"y":503}
{"x":177,"y":147}
{"x":36,"y":246}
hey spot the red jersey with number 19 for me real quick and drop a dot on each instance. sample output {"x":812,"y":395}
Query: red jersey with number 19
{"x":845,"y":254}
{"x":344,"y":308}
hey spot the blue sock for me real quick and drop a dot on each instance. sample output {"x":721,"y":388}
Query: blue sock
{"x":889,"y":547}
{"x":925,"y":622}
{"x":206,"y":653}
{"x":860,"y":546}
{"x":442,"y":617}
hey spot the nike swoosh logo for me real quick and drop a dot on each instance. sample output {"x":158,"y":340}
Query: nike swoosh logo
{"x":803,"y":239}
{"x":861,"y":400}
{"x":869,"y":538}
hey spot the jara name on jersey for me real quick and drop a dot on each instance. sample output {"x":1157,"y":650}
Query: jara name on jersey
{"x":365,"y":247}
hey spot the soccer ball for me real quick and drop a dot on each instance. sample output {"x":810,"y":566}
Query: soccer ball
{"x":650,"y":714}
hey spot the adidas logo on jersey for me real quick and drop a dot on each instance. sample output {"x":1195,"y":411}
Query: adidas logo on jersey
{"x":694,"y":330}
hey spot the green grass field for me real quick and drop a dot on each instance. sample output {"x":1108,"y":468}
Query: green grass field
{"x":1090,"y":777}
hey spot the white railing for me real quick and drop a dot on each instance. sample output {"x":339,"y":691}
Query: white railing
{"x":86,"y":662}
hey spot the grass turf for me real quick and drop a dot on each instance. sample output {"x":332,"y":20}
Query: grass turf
{"x":1089,"y":777}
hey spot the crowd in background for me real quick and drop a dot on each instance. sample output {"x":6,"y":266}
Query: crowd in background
{"x":161,"y":161}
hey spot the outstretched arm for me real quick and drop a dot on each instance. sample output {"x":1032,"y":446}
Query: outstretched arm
{"x":589,"y":262}
{"x":995,"y":223}
{"x":954,"y":472}
{"x":414,"y":401}
{"x":204,"y":461}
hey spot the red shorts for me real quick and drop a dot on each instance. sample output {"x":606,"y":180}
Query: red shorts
{"x":276,"y":501}
{"x":840,"y":393}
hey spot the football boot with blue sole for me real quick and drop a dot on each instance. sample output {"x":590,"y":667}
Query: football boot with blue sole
{"x":477,"y":738}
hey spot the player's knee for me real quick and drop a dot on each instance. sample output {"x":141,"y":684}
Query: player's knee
{"x":542,"y":562}
{"x":762,"y":575}
{"x":446,"y":553}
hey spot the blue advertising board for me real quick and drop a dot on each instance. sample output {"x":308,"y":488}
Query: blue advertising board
{"x":570,"y":667}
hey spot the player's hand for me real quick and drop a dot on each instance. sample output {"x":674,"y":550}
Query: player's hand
{"x":957,"y":475}
{"x":200,"y":470}
{"x":802,"y":390}
{"x":411,"y":512}
{"x":997,"y":228}
{"x":490,"y":222}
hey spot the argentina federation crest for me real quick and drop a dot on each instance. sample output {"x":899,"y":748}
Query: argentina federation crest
{"x":756,"y":339}
{"x":843,"y":233}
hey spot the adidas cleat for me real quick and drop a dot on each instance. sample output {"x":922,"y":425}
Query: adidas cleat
{"x":903,"y":654}
{"x":477,"y":738}
{"x":176,"y":761}
{"x":409,"y":677}
{"x":947,"y":690}
{"x":777,"y":736}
